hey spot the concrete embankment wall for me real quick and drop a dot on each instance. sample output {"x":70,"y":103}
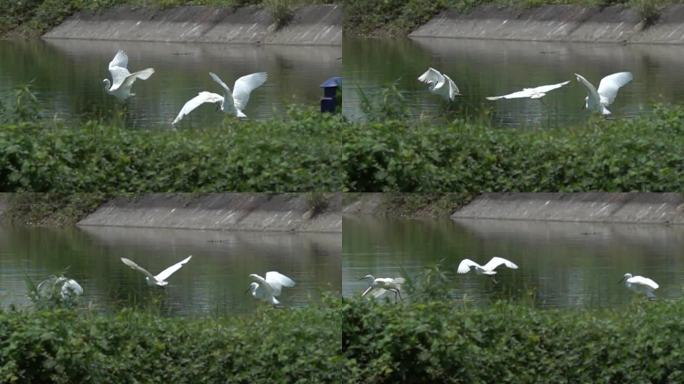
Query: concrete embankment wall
{"x":223,"y":211}
{"x":614,"y":24}
{"x":310,"y":25}
{"x":663,"y":208}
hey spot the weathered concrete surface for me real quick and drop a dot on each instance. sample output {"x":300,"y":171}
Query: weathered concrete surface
{"x":221,"y":211}
{"x":310,"y":25}
{"x":614,"y":24}
{"x":664,"y":208}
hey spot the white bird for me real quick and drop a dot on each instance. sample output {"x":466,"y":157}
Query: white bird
{"x":468,"y":265}
{"x":160,"y":279}
{"x":440,"y":84}
{"x":68,"y":288}
{"x":269,"y":288}
{"x":640,"y":284}
{"x":597,"y":101}
{"x":532,"y":93}
{"x":232,"y":103}
{"x":122,"y":80}
{"x":381,"y":285}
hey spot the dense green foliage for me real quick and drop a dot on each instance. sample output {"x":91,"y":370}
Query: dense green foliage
{"x":38,"y":16}
{"x":299,"y":153}
{"x":271,"y":346}
{"x":612,"y":155}
{"x":441,"y":342}
{"x":399,"y":17}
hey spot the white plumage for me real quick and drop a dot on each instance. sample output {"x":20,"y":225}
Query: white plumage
{"x":160,"y":279}
{"x":440,"y":84}
{"x":231,"y":102}
{"x":381,"y":285}
{"x":598,"y":100}
{"x":467,"y":265}
{"x":269,"y":287}
{"x":640,"y":284}
{"x":532,"y":93}
{"x":68,"y":289}
{"x":122,"y":80}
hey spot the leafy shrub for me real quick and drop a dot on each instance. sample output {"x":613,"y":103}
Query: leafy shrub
{"x":273,"y":345}
{"x":438,"y":342}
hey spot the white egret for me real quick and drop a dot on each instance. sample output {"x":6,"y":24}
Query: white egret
{"x":232,"y":103}
{"x":532,"y":93}
{"x":640,"y":284}
{"x":269,"y":288}
{"x":160,"y":279}
{"x":468,"y":265}
{"x":440,"y":84}
{"x":381,"y":285}
{"x":68,"y":289}
{"x":597,"y":101}
{"x":122,"y":80}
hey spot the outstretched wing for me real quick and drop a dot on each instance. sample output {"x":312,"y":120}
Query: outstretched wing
{"x":245,"y":85}
{"x":465,"y":264}
{"x":277,"y":281}
{"x":514,"y":95}
{"x":497,"y":261}
{"x":163,"y":275}
{"x":118,"y":68}
{"x":135,"y":266}
{"x":201,"y":98}
{"x":593,"y":98}
{"x":611,"y":84}
{"x":431,"y":76}
{"x":550,"y":87}
{"x":453,"y":89}
{"x":142,"y":75}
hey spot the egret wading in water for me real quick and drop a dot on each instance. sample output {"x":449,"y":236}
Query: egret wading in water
{"x":379,"y":286}
{"x":160,"y":279}
{"x":269,"y":288}
{"x":440,"y":84}
{"x":122,"y":80}
{"x":532,"y":93}
{"x":598,"y":100}
{"x":467,"y":265}
{"x":231,"y":102}
{"x":640,"y":284}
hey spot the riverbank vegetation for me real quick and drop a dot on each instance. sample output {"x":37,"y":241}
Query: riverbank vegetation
{"x":72,"y":346}
{"x":35,"y":17}
{"x":400,"y":17}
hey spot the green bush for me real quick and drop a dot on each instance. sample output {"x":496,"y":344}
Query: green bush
{"x":440,"y":342}
{"x":271,"y":346}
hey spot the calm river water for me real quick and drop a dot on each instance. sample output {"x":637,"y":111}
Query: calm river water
{"x":67,"y":77}
{"x":560,"y":264}
{"x":483,"y":68}
{"x":213,"y":282}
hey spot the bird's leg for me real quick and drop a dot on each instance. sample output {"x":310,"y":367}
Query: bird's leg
{"x":494,"y":280}
{"x":399,"y":293}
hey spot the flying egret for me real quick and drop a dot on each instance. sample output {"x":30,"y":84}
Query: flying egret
{"x":440,"y":84}
{"x":532,"y":93}
{"x":268,"y":288}
{"x":380,"y":285}
{"x":640,"y":284}
{"x":122,"y":80}
{"x":160,"y":279}
{"x":68,"y":289}
{"x":468,"y":265}
{"x":597,"y":101}
{"x":232,"y":103}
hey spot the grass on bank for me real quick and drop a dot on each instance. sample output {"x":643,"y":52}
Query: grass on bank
{"x":35,"y":17}
{"x":400,"y":17}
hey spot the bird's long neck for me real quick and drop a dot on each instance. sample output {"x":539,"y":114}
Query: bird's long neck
{"x":107,"y":85}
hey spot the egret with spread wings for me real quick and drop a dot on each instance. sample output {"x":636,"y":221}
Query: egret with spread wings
{"x":122,"y":80}
{"x":468,"y":265}
{"x":532,"y":93}
{"x":598,"y":100}
{"x":440,"y":84}
{"x":381,"y":285}
{"x":269,"y":287}
{"x":160,"y":279}
{"x":231,"y":102}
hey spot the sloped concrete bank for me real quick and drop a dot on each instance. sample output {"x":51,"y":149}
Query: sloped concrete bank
{"x":310,"y":25}
{"x":614,"y":24}
{"x":223,"y":211}
{"x":656,"y":208}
